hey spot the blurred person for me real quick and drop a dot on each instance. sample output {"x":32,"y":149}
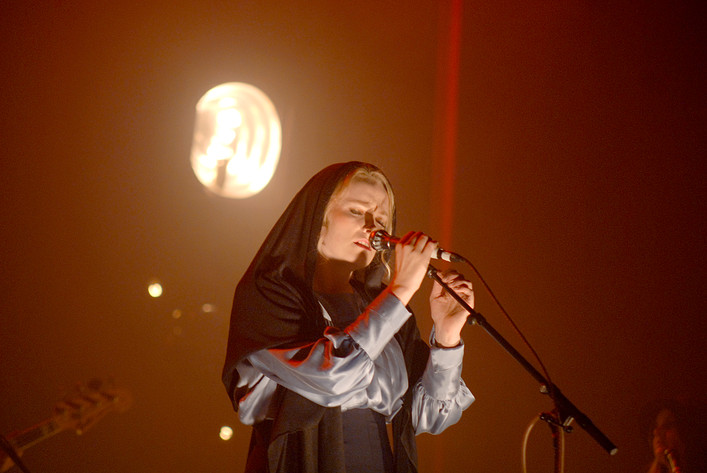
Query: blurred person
{"x":677,"y":437}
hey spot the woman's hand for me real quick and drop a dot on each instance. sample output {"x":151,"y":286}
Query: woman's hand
{"x":412,"y":257}
{"x":448,"y":315}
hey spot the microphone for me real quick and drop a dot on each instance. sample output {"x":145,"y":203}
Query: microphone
{"x":382,"y":240}
{"x":672,"y":462}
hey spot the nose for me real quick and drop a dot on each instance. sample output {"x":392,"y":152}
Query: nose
{"x":368,"y":221}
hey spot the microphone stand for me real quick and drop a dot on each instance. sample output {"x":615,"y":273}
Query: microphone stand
{"x":566,"y":410}
{"x":672,"y":463}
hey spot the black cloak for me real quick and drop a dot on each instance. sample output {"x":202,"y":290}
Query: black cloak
{"x":274,"y":306}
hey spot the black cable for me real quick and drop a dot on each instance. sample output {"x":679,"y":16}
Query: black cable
{"x":550,"y":386}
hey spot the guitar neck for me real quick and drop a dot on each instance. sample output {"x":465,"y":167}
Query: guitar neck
{"x":32,"y":436}
{"x":24,"y":439}
{"x":78,"y":413}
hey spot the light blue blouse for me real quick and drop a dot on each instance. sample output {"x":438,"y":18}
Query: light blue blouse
{"x":361,"y":366}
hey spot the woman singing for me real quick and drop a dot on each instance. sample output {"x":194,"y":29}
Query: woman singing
{"x":322,"y":354}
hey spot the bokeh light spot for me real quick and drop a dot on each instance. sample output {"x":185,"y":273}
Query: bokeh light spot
{"x":208,"y":308}
{"x":155,"y":289}
{"x":226,"y":432}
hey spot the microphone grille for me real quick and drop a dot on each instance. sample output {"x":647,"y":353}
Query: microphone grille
{"x":379,"y":240}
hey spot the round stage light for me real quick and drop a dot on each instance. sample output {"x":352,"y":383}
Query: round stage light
{"x":237,"y":140}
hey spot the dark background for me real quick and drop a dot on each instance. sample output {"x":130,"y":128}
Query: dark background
{"x":579,"y":194}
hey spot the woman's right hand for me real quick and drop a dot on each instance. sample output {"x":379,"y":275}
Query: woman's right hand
{"x":412,"y":257}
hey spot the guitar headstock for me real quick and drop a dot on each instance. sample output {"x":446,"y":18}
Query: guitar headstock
{"x":89,"y":404}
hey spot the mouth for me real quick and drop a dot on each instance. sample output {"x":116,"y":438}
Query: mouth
{"x":365,"y":244}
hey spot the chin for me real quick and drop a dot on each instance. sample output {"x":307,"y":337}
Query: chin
{"x":363,"y":261}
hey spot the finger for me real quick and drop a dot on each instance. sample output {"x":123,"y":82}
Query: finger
{"x":430,"y":247}
{"x":407,"y":238}
{"x":424,"y":246}
{"x":467,"y":294}
{"x":414,"y":241}
{"x":463,"y":290}
{"x":472,"y":299}
{"x":454,"y":276}
{"x":421,"y":241}
{"x":449,"y":276}
{"x":461,"y":283}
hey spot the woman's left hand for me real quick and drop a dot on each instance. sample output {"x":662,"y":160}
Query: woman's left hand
{"x":448,"y":315}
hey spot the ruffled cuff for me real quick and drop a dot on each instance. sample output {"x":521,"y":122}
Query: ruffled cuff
{"x":434,"y":415}
{"x":443,"y":372}
{"x":440,"y":396}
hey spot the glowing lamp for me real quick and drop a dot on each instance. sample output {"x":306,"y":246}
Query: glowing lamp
{"x":237,"y":140}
